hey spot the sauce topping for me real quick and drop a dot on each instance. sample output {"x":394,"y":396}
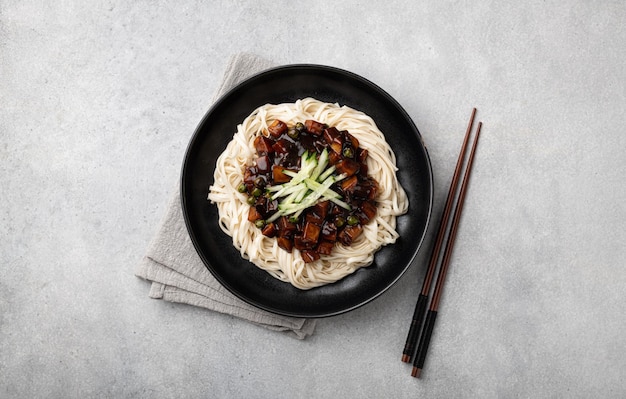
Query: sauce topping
{"x":309,"y":187}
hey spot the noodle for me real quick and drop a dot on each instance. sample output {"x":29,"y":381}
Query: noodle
{"x":263,"y":251}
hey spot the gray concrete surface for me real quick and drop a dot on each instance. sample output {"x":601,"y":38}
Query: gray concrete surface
{"x":98,"y":100}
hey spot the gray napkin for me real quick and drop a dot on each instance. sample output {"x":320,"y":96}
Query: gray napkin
{"x":175,"y":269}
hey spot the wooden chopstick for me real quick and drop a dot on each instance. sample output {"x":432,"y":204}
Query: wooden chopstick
{"x":422,"y":348}
{"x":420,"y":306}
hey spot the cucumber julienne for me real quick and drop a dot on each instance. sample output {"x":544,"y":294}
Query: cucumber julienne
{"x":310,"y":185}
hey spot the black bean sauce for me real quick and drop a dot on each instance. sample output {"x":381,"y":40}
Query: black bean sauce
{"x":319,"y":227}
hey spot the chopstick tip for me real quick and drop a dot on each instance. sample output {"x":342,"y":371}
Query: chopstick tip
{"x":406,"y":358}
{"x":416,"y":372}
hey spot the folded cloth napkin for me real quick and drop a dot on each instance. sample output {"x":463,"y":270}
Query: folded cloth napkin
{"x":173,"y":265}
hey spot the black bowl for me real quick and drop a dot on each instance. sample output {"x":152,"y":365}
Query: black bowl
{"x":287,"y":84}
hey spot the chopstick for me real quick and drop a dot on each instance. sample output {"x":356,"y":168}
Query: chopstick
{"x":422,"y":348}
{"x":420,"y":306}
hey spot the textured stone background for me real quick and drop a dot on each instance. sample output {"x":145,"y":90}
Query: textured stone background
{"x":98,"y":100}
